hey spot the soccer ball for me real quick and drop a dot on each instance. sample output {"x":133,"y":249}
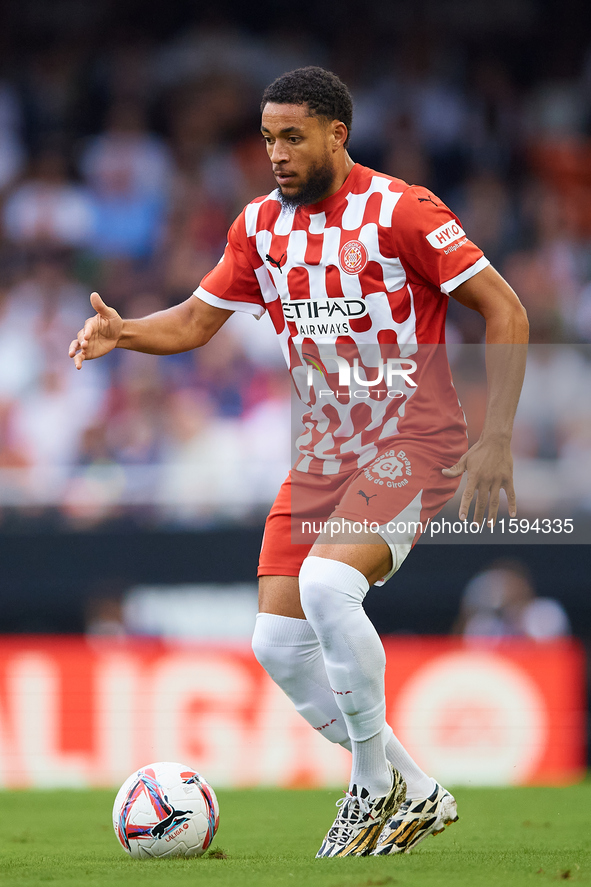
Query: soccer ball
{"x":165,"y":809}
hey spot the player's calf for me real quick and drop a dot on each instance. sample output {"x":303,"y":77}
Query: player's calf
{"x":289,"y":651}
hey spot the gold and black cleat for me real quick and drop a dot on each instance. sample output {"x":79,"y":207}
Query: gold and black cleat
{"x":360,"y":820}
{"x":415,"y":821}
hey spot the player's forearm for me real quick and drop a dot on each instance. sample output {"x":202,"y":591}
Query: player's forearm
{"x":170,"y":331}
{"x":506,"y":354}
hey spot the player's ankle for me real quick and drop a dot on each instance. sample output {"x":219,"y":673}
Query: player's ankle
{"x":370,"y":768}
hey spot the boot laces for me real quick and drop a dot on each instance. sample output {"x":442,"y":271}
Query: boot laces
{"x":355,"y":809}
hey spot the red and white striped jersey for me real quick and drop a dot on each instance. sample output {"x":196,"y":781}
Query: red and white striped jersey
{"x":351,"y":283}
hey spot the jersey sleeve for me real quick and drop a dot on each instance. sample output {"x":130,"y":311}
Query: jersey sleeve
{"x":430,"y":238}
{"x":233,"y":283}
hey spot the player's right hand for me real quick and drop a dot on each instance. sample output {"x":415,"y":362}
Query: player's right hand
{"x":99,"y":335}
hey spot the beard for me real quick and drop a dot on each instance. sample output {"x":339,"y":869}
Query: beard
{"x":317,"y":185}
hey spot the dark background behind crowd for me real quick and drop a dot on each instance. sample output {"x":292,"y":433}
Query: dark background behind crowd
{"x":129,"y":141}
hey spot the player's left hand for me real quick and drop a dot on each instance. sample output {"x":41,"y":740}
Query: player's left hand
{"x":490,"y":469}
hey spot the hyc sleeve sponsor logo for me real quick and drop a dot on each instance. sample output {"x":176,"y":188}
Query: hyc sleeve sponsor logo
{"x":447,"y":233}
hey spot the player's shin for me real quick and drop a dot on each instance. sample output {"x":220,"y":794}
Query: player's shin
{"x":332,"y":594}
{"x":289,"y":651}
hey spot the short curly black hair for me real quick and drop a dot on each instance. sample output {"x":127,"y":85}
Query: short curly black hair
{"x":325,"y":94}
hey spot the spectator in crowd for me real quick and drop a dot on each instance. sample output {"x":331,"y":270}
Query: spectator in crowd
{"x":127,"y":151}
{"x":501,"y":602}
{"x":48,"y":208}
{"x":128,"y":172}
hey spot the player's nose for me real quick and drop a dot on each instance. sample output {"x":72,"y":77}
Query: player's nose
{"x":279,"y":153}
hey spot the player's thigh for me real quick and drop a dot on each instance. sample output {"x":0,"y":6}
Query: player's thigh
{"x":280,"y":595}
{"x":385,"y":505}
{"x":281,"y":556}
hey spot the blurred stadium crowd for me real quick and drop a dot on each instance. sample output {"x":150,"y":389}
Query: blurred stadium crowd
{"x":121,"y":169}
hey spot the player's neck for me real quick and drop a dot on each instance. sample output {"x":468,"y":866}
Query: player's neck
{"x":342,"y":169}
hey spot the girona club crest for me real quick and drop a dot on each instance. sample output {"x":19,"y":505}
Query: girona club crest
{"x":393,"y":469}
{"x":388,"y":466}
{"x":353,"y":257}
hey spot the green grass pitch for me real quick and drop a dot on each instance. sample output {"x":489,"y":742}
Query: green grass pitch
{"x":509,"y":837}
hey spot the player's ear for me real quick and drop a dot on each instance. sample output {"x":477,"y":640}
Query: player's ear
{"x":339,"y":134}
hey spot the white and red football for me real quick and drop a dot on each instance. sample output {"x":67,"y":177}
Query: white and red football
{"x":165,"y":809}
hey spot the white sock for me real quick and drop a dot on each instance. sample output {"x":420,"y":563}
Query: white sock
{"x":332,"y":594}
{"x":368,"y":766}
{"x":418,"y":784}
{"x":290,"y":653}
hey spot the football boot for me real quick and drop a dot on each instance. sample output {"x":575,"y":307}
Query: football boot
{"x":415,"y":821}
{"x":360,"y":820}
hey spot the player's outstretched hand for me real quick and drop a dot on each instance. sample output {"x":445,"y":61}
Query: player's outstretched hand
{"x":490,"y":469}
{"x":99,"y":335}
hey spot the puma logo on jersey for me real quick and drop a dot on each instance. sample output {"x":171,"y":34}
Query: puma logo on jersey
{"x":446,"y":234}
{"x":276,"y":262}
{"x":427,"y":200}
